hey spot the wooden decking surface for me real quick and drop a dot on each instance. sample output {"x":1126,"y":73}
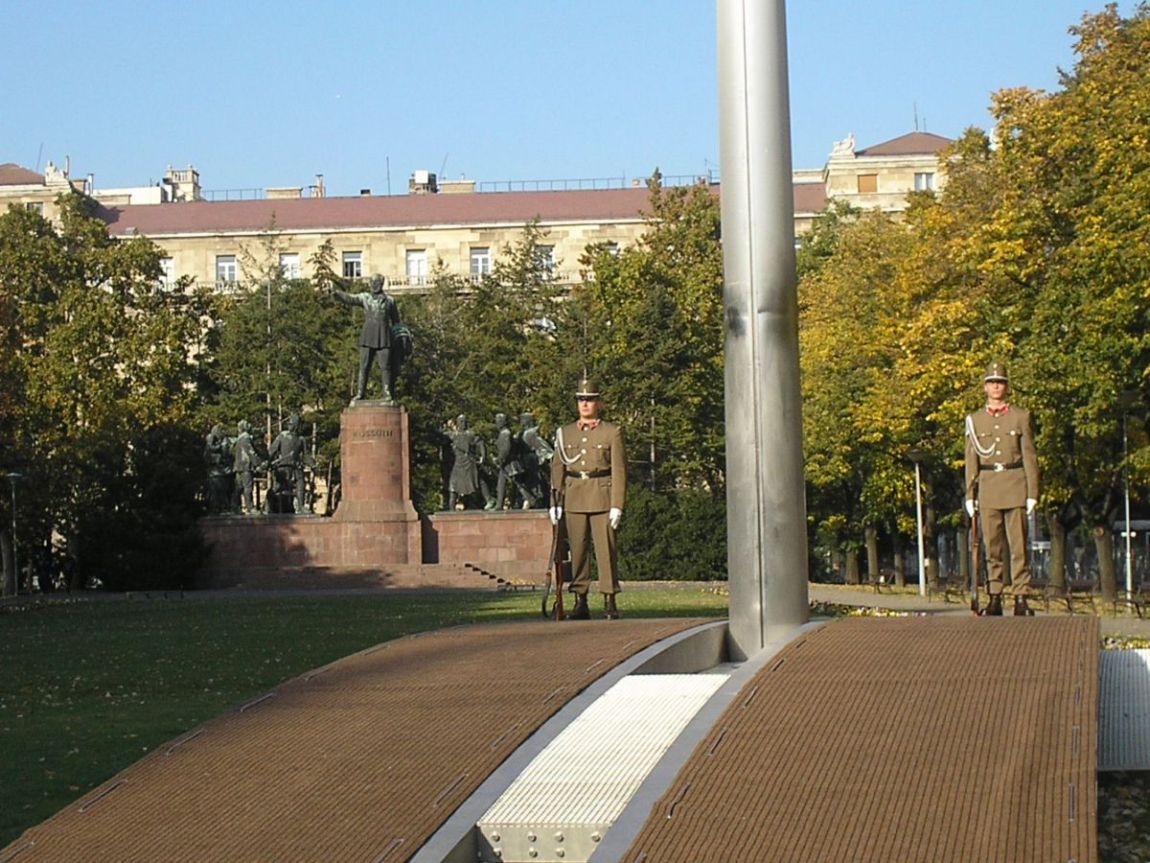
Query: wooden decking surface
{"x":916,"y":740}
{"x":905,"y":740}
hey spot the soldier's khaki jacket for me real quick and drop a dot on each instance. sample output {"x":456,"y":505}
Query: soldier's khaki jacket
{"x":1005,"y":473}
{"x":593,"y":451}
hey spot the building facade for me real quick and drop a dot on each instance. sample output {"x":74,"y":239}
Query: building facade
{"x":438,"y":223}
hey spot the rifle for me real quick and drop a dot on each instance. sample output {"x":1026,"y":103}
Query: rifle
{"x":974,"y":563}
{"x":556,"y":563}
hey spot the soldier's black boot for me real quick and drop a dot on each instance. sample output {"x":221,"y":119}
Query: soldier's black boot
{"x":1021,"y":608}
{"x":994,"y":607}
{"x":581,"y":610}
{"x":611,"y":612}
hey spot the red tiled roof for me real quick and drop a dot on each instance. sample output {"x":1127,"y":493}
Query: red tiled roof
{"x":12,"y":174}
{"x":373,"y":211}
{"x":810,"y":197}
{"x":397,"y":211}
{"x":913,"y":144}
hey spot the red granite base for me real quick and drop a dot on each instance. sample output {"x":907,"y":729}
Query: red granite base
{"x":515,"y":544}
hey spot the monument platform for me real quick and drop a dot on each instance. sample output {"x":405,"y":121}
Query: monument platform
{"x":375,"y":537}
{"x":863,"y":739}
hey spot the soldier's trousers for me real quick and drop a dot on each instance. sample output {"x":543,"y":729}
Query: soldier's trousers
{"x":1003,"y":532}
{"x":583,"y":528}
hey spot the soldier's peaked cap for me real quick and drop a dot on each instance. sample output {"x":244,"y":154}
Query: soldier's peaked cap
{"x":996,"y":372}
{"x":587,"y":389}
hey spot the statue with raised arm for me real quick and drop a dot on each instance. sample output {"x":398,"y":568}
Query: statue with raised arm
{"x":469,"y":452}
{"x":383,"y":337}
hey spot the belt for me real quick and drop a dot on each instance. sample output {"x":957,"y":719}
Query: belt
{"x":999,"y":466}
{"x":587,"y":474}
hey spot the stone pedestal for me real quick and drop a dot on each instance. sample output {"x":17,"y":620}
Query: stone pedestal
{"x":375,"y":464}
{"x":378,"y":523}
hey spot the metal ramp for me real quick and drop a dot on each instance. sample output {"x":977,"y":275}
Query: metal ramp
{"x":561,"y":806}
{"x":1124,"y":710}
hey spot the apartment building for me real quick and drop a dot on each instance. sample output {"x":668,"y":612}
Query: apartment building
{"x":446,"y":222}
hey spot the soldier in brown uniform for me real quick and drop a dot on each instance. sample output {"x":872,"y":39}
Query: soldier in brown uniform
{"x":1002,"y":485}
{"x":589,"y":474}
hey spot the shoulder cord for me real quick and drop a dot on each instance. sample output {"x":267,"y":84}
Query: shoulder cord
{"x":983,"y":451}
{"x":562,"y":450}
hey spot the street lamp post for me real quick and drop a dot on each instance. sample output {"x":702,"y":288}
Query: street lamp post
{"x":1126,"y":400}
{"x":12,"y":478}
{"x":916,"y":456}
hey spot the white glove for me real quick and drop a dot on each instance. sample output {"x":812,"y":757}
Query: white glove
{"x":970,"y":507}
{"x":556,"y":513}
{"x":1031,"y":503}
{"x":614,"y":517}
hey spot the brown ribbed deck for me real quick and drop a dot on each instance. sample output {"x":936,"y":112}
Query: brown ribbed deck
{"x":358,"y":761}
{"x":915,"y":740}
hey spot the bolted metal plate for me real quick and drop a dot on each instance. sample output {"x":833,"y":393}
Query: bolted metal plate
{"x":1124,"y":710}
{"x":562,"y":805}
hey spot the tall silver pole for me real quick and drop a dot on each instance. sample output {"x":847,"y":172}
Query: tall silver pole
{"x":766,"y":505}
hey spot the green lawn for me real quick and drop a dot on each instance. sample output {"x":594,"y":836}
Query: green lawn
{"x":88,"y":687}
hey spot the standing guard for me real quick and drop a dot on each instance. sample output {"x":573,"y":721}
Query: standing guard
{"x":1002,"y":486}
{"x":589,"y":476}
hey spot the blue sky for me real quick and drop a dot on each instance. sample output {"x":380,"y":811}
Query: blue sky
{"x":258,"y":94}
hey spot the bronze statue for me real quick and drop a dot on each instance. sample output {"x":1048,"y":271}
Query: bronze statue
{"x":536,"y":456}
{"x":217,"y":454}
{"x":383,"y":336}
{"x":245,"y":462}
{"x":506,"y":462}
{"x":288,"y":456}
{"x":468,"y":451}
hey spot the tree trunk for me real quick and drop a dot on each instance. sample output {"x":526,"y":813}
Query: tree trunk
{"x":1056,"y":564}
{"x":871,"y":533}
{"x":899,"y":559}
{"x":1107,"y":576}
{"x":852,"y":556}
{"x":9,"y":571}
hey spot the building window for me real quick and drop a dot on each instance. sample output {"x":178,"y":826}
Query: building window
{"x":226,"y":270}
{"x":353,"y":265}
{"x":36,"y":207}
{"x":480,"y":261}
{"x":924,"y":181}
{"x":289,"y":265}
{"x":167,"y":272}
{"x":417,"y":266}
{"x":868,"y":184}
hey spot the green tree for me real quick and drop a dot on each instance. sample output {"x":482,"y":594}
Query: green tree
{"x":99,"y":351}
{"x":648,"y":322}
{"x":1074,"y":240}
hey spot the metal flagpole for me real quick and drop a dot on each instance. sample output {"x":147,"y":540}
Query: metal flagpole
{"x":766,"y":507}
